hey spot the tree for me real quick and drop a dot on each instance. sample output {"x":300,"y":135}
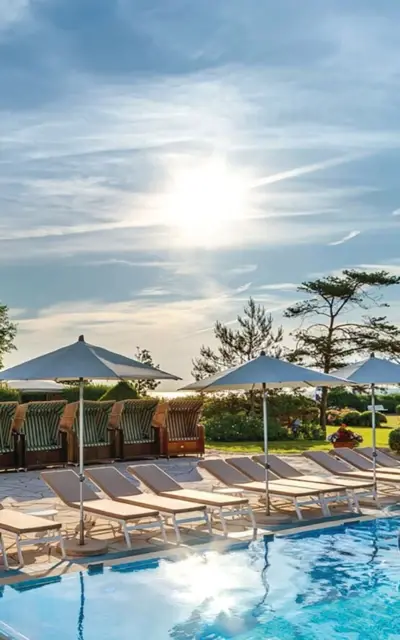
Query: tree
{"x":144,"y":386}
{"x":335,"y":336}
{"x":8,"y":331}
{"x":255,"y":334}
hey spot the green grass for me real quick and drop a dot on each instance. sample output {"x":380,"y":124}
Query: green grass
{"x":297,"y":446}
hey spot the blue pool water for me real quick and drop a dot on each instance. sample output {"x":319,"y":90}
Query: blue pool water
{"x":341,"y":584}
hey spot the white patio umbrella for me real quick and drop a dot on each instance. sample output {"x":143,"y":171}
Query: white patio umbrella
{"x":265,"y":373}
{"x":81,"y":361}
{"x":371,"y":372}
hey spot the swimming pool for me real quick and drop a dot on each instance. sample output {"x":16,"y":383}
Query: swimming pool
{"x":336,"y":584}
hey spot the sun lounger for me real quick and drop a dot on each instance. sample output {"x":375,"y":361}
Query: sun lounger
{"x":20,"y":525}
{"x":360,"y":462}
{"x":355,"y":489}
{"x":342,"y":468}
{"x":117,"y":487}
{"x":282,"y":489}
{"x":382,"y":458}
{"x":65,"y":484}
{"x":163,"y":485}
{"x":383,"y":461}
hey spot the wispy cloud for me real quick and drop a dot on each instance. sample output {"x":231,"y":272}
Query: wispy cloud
{"x":349,"y":236}
{"x":396,"y":212}
{"x":304,"y":170}
{"x":283,"y":286}
{"x":243,"y":269}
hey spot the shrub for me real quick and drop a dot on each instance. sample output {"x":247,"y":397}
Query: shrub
{"x":350,"y":417}
{"x":240,"y":427}
{"x":398,"y":409}
{"x":333,"y":417}
{"x":394,"y":440}
{"x":8,"y":395}
{"x":91,"y":392}
{"x":309,"y":431}
{"x":121,"y":391}
{"x":366,"y":419}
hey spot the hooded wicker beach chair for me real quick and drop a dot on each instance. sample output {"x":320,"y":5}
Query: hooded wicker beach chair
{"x":180,"y":431}
{"x":134,"y":433}
{"x":9,"y":458}
{"x":41,"y":441}
{"x":99,"y":438}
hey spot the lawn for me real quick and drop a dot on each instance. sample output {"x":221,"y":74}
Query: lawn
{"x":297,"y":446}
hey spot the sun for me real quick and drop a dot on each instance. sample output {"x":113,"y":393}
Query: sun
{"x":204,"y":202}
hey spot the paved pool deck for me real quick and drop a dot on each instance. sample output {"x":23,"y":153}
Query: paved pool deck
{"x":26,"y":491}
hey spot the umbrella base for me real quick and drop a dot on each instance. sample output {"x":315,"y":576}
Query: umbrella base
{"x":274,"y":518}
{"x":89,"y":548}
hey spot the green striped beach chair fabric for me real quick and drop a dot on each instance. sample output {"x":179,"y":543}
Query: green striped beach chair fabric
{"x":96,"y":418}
{"x":7,"y":413}
{"x":136,"y":419}
{"x":41,"y":425}
{"x":182,"y":419}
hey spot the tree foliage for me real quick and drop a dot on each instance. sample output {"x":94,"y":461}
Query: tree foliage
{"x":144,"y":386}
{"x":236,"y":346}
{"x":335,"y":337}
{"x":8,"y":331}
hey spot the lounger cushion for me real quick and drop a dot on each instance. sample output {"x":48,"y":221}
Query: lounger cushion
{"x":14,"y":521}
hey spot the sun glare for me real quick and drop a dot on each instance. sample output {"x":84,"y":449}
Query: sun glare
{"x":204,"y":202}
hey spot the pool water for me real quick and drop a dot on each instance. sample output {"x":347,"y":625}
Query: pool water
{"x":337,"y":584}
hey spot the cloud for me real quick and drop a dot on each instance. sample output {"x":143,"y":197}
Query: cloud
{"x":284,"y":286}
{"x":349,"y":236}
{"x":304,"y":170}
{"x":153,"y":292}
{"x":396,"y":212}
{"x":243,"y":287}
{"x":243,"y":269}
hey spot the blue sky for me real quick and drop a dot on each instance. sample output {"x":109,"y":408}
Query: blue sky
{"x":163,"y":160}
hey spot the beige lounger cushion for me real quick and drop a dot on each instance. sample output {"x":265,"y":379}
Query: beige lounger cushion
{"x":21,"y":523}
{"x":162,"y":484}
{"x":207,"y":497}
{"x":117,"y":487}
{"x":118,"y":510}
{"x":164,"y":504}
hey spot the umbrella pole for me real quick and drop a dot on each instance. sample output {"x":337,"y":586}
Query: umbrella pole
{"x":374,"y":454}
{"x":265,"y":420}
{"x":81,"y":474}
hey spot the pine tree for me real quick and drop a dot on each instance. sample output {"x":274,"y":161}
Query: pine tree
{"x":255,"y":334}
{"x":144,"y":386}
{"x":8,"y":332}
{"x":335,"y":337}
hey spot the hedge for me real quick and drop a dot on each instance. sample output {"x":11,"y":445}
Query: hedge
{"x":240,"y":427}
{"x":394,"y":440}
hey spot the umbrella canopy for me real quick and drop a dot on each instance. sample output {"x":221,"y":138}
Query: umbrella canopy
{"x":36,"y":386}
{"x":371,"y":371}
{"x":82,"y":360}
{"x":265,"y":372}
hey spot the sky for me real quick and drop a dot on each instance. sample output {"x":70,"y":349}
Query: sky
{"x":163,"y":160}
